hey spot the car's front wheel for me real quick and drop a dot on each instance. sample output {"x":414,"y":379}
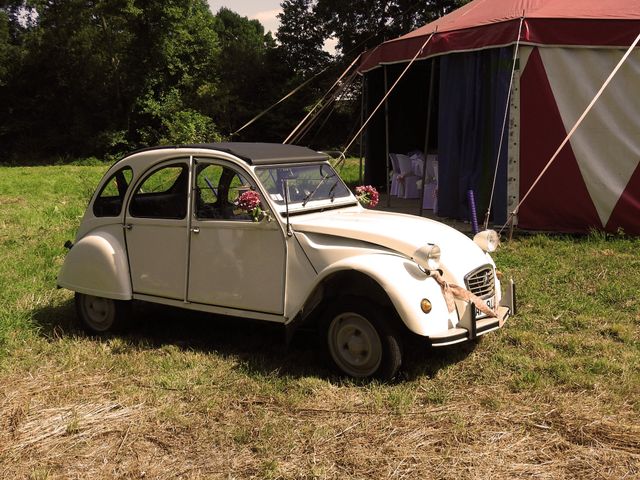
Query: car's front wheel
{"x":359,"y":340}
{"x":99,"y":315}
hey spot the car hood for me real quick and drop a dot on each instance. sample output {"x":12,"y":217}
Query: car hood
{"x":399,"y":232}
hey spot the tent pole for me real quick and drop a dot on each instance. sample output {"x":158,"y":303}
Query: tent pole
{"x":516,"y":49}
{"x":386,"y":136}
{"x":426,"y":135}
{"x":362,"y":91}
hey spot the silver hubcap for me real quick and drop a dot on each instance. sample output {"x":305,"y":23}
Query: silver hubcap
{"x":99,"y":312}
{"x":354,"y":344}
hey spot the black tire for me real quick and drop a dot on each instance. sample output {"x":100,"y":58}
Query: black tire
{"x":99,"y":315}
{"x":359,"y":340}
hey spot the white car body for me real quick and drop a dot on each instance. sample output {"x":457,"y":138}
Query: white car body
{"x":283,"y":268}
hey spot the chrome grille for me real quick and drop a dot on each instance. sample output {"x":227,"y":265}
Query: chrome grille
{"x":480,"y":282}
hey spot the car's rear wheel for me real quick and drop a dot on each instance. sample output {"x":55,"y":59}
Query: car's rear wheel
{"x":359,"y":340}
{"x":99,"y":315}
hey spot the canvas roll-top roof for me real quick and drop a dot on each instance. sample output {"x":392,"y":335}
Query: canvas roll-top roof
{"x":257,"y":153}
{"x":491,"y":23}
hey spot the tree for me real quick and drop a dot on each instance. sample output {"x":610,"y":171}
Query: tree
{"x":107,"y":75}
{"x":302,"y":37}
{"x":253,"y":75}
{"x":176,"y":51}
{"x":241,"y":70}
{"x":358,"y":24}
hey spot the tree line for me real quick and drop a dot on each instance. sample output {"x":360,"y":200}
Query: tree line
{"x":103,"y":77}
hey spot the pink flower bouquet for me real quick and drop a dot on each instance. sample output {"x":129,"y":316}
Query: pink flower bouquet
{"x":249,"y":202}
{"x":367,"y":196}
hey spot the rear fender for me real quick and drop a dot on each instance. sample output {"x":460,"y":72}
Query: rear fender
{"x":97,"y":265}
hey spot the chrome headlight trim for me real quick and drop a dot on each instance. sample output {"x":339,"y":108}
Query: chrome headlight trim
{"x":428,"y":257}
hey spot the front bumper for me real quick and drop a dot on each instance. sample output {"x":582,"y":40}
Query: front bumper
{"x":472,"y":327}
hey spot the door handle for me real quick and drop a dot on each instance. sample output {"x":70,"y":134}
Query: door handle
{"x":195,"y":229}
{"x":127,"y":226}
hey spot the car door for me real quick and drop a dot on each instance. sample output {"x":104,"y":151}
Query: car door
{"x":234,"y":261}
{"x":156,"y":231}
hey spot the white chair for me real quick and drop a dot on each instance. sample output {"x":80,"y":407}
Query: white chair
{"x":395,"y":173}
{"x":417,"y":161}
{"x":430,"y":199}
{"x":407,"y":178}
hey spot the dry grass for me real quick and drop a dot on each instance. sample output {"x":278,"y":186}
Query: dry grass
{"x":66,"y":424}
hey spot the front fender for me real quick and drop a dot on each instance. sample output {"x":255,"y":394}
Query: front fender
{"x":406,"y":285}
{"x":97,"y":265}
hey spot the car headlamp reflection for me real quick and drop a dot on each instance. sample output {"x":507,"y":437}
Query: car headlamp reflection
{"x":487,"y":240}
{"x":428,"y":257}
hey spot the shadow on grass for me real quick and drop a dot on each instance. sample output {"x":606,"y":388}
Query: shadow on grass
{"x":257,"y":347}
{"x":425,"y":361}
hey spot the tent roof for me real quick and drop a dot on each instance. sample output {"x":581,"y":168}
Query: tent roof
{"x":491,"y":23}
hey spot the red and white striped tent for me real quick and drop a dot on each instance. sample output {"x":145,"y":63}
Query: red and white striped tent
{"x":566,"y":51}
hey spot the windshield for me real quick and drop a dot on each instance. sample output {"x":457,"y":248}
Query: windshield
{"x":305,"y":184}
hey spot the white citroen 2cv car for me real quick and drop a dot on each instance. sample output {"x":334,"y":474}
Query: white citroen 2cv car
{"x":271,"y":232}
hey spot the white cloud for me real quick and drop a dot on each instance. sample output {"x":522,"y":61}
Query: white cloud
{"x":267,"y":14}
{"x":268,"y":18}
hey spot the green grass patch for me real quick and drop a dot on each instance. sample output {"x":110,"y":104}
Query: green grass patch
{"x":177,"y":382}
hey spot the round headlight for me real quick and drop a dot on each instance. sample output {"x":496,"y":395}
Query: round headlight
{"x":487,"y":240}
{"x":428,"y":257}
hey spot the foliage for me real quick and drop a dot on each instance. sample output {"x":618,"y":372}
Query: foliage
{"x":250,"y":78}
{"x":103,"y":77}
{"x":5,"y":47}
{"x":177,"y":124}
{"x":356,"y":25}
{"x":108,"y":75}
{"x":302,"y":37}
{"x":179,"y":47}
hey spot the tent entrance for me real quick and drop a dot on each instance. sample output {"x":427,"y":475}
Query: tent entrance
{"x":470,"y":95}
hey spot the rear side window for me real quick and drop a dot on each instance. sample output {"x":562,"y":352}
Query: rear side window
{"x":111,"y":196}
{"x":162,"y":194}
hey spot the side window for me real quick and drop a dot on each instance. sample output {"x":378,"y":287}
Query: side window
{"x":162,"y":194}
{"x":108,"y":203}
{"x":216,"y":193}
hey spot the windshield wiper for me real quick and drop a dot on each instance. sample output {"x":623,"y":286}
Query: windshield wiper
{"x":332,"y":193}
{"x":311,"y":194}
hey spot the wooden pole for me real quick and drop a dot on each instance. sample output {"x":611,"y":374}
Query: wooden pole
{"x":386,"y":137}
{"x":426,"y":135}
{"x":362,"y":92}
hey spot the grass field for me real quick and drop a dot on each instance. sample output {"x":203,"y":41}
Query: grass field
{"x":555,"y":394}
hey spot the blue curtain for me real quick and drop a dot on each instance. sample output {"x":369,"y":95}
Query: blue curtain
{"x":473,"y":95}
